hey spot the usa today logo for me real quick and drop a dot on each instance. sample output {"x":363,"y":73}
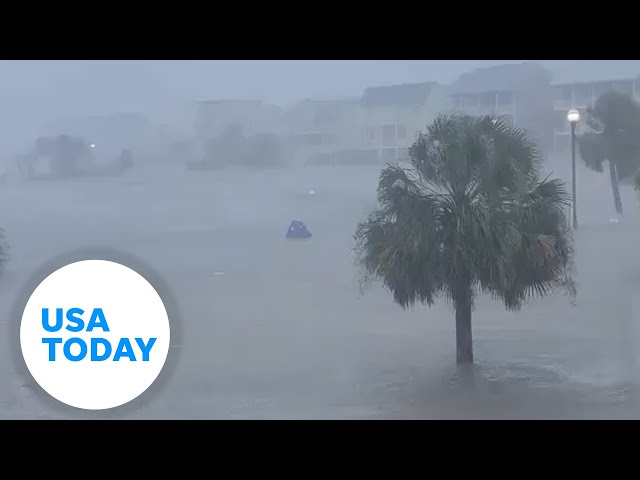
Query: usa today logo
{"x":95,"y":334}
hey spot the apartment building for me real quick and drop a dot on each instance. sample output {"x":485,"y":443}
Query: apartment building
{"x":319,"y":130}
{"x":392,"y":117}
{"x":216,"y":117}
{"x":519,"y":93}
{"x":251,"y":117}
{"x":582,"y":94}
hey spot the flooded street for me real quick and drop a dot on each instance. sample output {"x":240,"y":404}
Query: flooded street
{"x":279,"y":329}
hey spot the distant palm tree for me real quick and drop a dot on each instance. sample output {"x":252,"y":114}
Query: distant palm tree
{"x":614,"y":137}
{"x":472,"y":215}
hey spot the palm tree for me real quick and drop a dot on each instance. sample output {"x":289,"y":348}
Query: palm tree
{"x":471,"y":216}
{"x":615,"y":137}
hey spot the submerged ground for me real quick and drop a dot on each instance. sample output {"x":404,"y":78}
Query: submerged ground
{"x":280,"y":329}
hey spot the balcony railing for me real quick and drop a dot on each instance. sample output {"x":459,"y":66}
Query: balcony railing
{"x":569,"y":104}
{"x":487,"y":110}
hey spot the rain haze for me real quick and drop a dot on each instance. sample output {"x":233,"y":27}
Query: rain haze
{"x":205,"y":169}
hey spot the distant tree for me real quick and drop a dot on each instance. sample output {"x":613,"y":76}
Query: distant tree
{"x":67,"y":155}
{"x":125,"y":160}
{"x":225,"y":149}
{"x":263,"y":150}
{"x":231,"y":147}
{"x":472,"y":215}
{"x":615,"y":138}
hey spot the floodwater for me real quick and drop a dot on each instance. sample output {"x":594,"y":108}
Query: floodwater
{"x":277,"y":329}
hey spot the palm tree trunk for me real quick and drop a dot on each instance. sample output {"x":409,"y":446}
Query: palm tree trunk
{"x":615,"y":187}
{"x":464,"y":336}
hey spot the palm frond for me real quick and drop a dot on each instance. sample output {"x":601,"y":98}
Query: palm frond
{"x":541,"y":259}
{"x":615,"y":136}
{"x":593,"y":150}
{"x":515,"y":158}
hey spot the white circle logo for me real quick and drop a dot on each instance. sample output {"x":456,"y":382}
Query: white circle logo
{"x":95,"y":334}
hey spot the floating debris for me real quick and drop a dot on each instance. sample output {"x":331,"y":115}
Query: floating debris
{"x":297,"y":229}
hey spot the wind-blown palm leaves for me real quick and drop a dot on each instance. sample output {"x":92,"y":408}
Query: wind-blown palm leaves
{"x":614,"y":137}
{"x":470,"y":216}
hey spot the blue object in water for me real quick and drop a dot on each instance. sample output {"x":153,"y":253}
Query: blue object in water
{"x":297,"y":229}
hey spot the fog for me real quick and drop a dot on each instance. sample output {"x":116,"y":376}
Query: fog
{"x":36,"y":92}
{"x":280,"y":329}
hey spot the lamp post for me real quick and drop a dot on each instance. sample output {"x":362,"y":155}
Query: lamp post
{"x":573,"y":116}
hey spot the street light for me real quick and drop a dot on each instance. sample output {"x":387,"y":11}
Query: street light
{"x":573,"y":116}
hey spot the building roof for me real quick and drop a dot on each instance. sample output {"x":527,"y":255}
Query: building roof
{"x":593,"y":79}
{"x":510,"y":77}
{"x":330,"y":101}
{"x":229,"y":102}
{"x":405,"y":94}
{"x":590,"y":71}
{"x":322,"y":105}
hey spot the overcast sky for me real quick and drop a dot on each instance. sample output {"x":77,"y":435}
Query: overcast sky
{"x":35,"y":92}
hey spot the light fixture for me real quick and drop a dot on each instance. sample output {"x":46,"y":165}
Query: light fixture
{"x":573,"y":115}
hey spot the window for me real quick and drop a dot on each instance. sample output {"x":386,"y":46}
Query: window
{"x":402,"y":132}
{"x":370,"y":133}
{"x":583,"y":94}
{"x":505,"y":98}
{"x":310,"y":139}
{"x":389,"y":134}
{"x":329,"y":139}
{"x":325,"y":118}
{"x":487,"y":100}
{"x":469,"y":101}
{"x":320,"y":159}
{"x":565,"y":93}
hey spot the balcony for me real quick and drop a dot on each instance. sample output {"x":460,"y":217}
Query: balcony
{"x":581,"y":104}
{"x":565,"y":130}
{"x":477,"y":111}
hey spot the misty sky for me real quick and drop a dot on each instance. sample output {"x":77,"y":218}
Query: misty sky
{"x":36,"y":92}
